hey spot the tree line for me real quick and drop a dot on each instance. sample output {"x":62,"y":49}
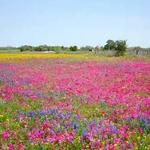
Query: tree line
{"x":119,"y":47}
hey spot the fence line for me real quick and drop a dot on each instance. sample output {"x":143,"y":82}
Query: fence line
{"x":132,"y":52}
{"x":139,"y":52}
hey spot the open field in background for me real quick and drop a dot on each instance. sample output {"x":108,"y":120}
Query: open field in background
{"x":72,"y":55}
{"x":74,"y":101}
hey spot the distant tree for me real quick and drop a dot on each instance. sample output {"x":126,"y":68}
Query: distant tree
{"x":26,"y":48}
{"x":110,"y":45}
{"x":87,"y":48}
{"x":37,"y":48}
{"x":121,"y":47}
{"x":62,"y":47}
{"x":73,"y":48}
{"x":42,"y":48}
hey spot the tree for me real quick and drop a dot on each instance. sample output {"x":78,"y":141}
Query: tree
{"x":110,"y":45}
{"x":42,"y":48}
{"x":87,"y":48}
{"x":62,"y":47}
{"x":26,"y":48}
{"x":37,"y":48}
{"x":120,"y":47}
{"x":73,"y":48}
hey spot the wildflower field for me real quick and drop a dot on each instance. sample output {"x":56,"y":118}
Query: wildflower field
{"x":74,"y":102}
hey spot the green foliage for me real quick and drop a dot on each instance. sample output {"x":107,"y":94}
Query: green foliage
{"x":26,"y":48}
{"x":87,"y":48}
{"x":110,"y":45}
{"x":42,"y":48}
{"x":73,"y":48}
{"x":119,"y":46}
{"x":9,"y":49}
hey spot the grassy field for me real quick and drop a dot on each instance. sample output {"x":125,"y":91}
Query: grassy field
{"x":74,"y":101}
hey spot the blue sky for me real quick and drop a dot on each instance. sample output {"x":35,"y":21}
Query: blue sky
{"x":74,"y":22}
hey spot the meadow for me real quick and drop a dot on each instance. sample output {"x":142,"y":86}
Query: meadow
{"x":74,"y":102}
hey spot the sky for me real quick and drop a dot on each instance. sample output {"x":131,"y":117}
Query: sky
{"x":74,"y":22}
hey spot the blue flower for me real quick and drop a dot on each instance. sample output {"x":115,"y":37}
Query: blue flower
{"x":113,"y":128}
{"x":84,"y":132}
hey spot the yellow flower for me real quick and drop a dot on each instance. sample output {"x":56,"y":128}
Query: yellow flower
{"x":41,"y":55}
